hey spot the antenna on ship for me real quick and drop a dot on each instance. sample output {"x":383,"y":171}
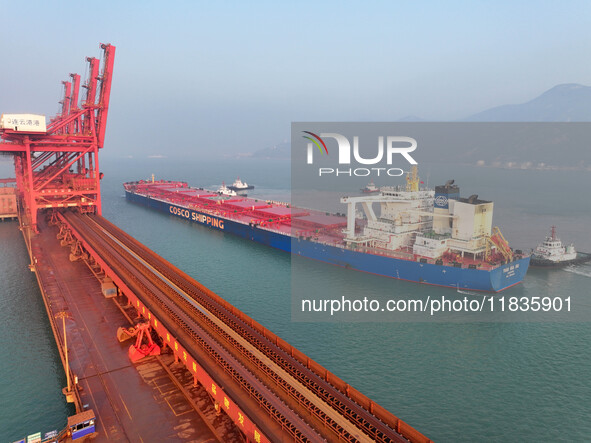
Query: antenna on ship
{"x":553,"y":233}
{"x":152,"y":178}
{"x":428,"y":176}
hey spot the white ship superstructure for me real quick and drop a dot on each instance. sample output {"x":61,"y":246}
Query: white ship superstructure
{"x":427,"y":223}
{"x":404,"y":212}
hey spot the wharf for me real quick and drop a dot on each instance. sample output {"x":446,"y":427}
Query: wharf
{"x":126,"y":398}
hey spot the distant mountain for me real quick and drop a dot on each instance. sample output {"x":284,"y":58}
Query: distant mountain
{"x":279,"y":151}
{"x":527,"y":147}
{"x":411,"y":118}
{"x":570,"y":102}
{"x":563,"y":103}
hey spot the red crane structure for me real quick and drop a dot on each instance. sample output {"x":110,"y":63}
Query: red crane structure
{"x":57,"y":166}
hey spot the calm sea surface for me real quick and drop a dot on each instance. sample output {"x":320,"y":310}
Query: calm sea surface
{"x":461,"y":381}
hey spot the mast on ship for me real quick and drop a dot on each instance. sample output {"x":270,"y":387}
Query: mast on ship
{"x":412,"y":179}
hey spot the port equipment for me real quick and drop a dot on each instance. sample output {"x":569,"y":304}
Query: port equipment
{"x":143,"y":348}
{"x":67,"y":391}
{"x":57,"y":165}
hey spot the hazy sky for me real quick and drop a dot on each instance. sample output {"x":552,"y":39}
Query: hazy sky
{"x":227,"y":77}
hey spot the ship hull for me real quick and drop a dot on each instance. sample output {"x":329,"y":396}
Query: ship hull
{"x":494,"y":280}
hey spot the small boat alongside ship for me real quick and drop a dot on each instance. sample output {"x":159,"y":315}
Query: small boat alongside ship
{"x":226,"y":190}
{"x":239,"y":186}
{"x":552,"y":253}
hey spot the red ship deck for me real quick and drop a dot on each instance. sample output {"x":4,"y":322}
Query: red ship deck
{"x":267,"y":214}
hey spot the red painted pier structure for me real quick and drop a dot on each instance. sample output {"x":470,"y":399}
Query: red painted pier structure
{"x":235,"y":379}
{"x":58,"y":167}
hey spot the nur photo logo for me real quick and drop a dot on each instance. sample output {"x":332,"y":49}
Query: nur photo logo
{"x":388,"y":147}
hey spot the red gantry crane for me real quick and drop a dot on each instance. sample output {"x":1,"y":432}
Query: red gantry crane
{"x":57,"y":165}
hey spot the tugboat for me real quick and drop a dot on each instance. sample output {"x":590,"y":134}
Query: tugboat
{"x":239,"y":185}
{"x":553,"y":253}
{"x":226,"y":190}
{"x":371,"y":188}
